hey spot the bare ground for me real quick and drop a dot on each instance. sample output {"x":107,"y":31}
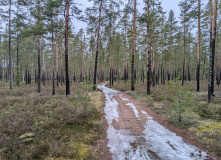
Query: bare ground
{"x":128,"y":121}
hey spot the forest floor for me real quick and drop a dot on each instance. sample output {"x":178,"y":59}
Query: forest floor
{"x":60,"y":127}
{"x":42,"y":126}
{"x":200,"y":125}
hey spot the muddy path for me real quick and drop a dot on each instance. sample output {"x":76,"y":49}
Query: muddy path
{"x":133,"y":134}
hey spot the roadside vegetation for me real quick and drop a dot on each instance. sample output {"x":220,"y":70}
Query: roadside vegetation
{"x":41,"y":126}
{"x":185,"y":108}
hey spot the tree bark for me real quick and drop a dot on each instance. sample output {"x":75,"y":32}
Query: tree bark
{"x":39,"y":65}
{"x":97,"y":47}
{"x":184,"y":56}
{"x":43,"y":62}
{"x":57,"y":60}
{"x":125,"y":55}
{"x":154,"y":53}
{"x":61,"y":59}
{"x":198,"y":51}
{"x":212,"y":49}
{"x":66,"y":47}
{"x":17,"y":80}
{"x":133,"y":47}
{"x":10,"y":56}
{"x":53,"y":76}
{"x":148,"y":50}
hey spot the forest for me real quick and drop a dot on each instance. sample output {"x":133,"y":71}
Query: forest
{"x":79,"y":94}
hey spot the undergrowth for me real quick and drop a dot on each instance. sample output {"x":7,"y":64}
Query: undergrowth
{"x":40,"y":126}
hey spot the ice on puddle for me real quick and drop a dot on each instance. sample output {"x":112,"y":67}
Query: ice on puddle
{"x":157,"y":141}
{"x":111,"y":105}
{"x":173,"y":146}
{"x":134,"y":109}
{"x":124,"y":99}
{"x":145,"y":113}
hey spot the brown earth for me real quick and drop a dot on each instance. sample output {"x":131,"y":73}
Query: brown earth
{"x":128,"y":121}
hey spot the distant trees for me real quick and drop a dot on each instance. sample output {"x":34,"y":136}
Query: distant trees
{"x":43,"y":45}
{"x":186,"y":15}
{"x":172,"y":28}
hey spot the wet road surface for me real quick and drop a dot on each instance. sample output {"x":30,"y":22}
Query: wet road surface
{"x":133,"y":135}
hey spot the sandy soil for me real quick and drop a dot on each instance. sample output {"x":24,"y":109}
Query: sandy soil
{"x":134,"y":132}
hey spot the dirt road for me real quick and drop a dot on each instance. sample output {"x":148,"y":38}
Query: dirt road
{"x":132,"y":134}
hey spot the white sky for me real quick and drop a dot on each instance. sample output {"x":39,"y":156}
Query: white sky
{"x":166,"y":4}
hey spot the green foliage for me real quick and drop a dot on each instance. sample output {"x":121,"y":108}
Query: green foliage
{"x":210,"y":110}
{"x":183,"y":99}
{"x":137,"y":95}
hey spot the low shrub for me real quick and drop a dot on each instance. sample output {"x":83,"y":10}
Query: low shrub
{"x":56,"y":124}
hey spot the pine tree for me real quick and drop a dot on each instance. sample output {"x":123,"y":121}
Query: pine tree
{"x":133,"y":46}
{"x":198,"y":50}
{"x":186,"y":7}
{"x":212,"y":53}
{"x":172,"y":25}
{"x":97,"y":46}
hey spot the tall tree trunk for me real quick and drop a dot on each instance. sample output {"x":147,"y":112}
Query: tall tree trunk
{"x":148,"y":50}
{"x":212,"y":49}
{"x":133,"y":47}
{"x":198,"y":51}
{"x":125,"y":55}
{"x":39,"y":65}
{"x":43,"y":62}
{"x":53,"y":75}
{"x":61,"y":58}
{"x":10,"y":56}
{"x":17,"y":79}
{"x":110,"y":76}
{"x":169,"y":74}
{"x":154,"y":53}
{"x":39,"y":58}
{"x":97,"y":47}
{"x":184,"y":57}
{"x":57,"y":59}
{"x":83,"y":62}
{"x":66,"y":47}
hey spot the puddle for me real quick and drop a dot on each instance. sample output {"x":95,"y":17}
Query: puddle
{"x":156,"y":142}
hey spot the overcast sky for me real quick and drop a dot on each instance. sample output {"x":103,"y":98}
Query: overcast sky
{"x":166,"y":4}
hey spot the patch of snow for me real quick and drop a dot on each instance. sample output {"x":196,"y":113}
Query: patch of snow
{"x":157,"y":142}
{"x":122,"y":145}
{"x":111,"y":105}
{"x":145,"y":113}
{"x":124,"y":99}
{"x":167,"y":145}
{"x":150,"y":118}
{"x":134,"y":109}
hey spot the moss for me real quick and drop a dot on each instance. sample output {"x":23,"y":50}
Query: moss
{"x":210,"y":128}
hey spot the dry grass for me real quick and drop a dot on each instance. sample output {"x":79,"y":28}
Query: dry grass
{"x":62,"y":127}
